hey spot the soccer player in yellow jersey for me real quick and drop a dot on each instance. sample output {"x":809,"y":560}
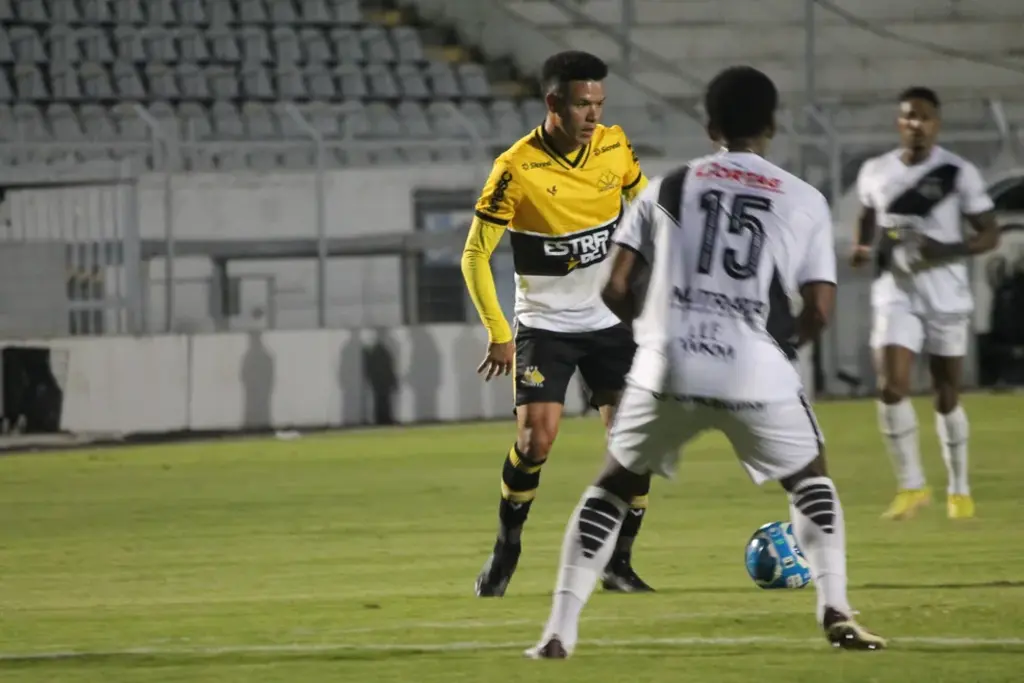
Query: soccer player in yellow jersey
{"x":559,"y":193}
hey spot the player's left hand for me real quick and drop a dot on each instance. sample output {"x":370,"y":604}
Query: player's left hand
{"x":498,"y":361}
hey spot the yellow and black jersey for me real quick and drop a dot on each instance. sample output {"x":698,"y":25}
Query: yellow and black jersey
{"x":560,"y":212}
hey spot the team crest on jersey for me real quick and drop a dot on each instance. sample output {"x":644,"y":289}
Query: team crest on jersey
{"x":608,"y":181}
{"x":532,"y":377}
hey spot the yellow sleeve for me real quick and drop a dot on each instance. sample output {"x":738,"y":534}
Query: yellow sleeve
{"x":635,"y":180}
{"x":494,"y":211}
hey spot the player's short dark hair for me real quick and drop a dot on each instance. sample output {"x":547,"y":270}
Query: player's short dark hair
{"x":919,"y":92}
{"x":572,"y":65}
{"x":740,"y":103}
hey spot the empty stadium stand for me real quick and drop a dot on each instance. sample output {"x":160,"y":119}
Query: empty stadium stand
{"x":74,"y":74}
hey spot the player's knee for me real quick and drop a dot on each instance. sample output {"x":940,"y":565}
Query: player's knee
{"x":621,"y":482}
{"x":815,"y":469}
{"x":946,"y":398}
{"x":536,"y":441}
{"x":893,"y":390}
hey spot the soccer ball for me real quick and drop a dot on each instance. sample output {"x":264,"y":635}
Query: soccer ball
{"x":774,"y":560}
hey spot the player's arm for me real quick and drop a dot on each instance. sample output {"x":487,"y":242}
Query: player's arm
{"x":494,"y":211}
{"x":634,"y":182}
{"x":631,"y":256}
{"x":817,"y":274}
{"x":977,"y":208}
{"x":867,"y":225}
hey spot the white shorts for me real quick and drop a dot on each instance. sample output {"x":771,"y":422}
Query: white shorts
{"x":936,"y":334}
{"x":772,"y":440}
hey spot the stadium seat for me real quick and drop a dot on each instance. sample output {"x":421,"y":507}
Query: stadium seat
{"x":351,"y":81}
{"x":282,"y":12}
{"x":252,"y":12}
{"x":442,"y":81}
{"x":346,"y":11}
{"x":414,"y":120}
{"x":129,"y":12}
{"x":95,"y":44}
{"x":314,"y":12}
{"x":65,"y":12}
{"x":477,"y":116}
{"x":286,"y":46}
{"x":221,"y":13}
{"x":96,"y":11}
{"x":63,"y":122}
{"x":193,"y":12}
{"x":411,"y":81}
{"x":192,"y":82}
{"x":63,"y":45}
{"x":223,"y":82}
{"x":6,"y":50}
{"x":166,"y":118}
{"x":129,"y":124}
{"x":474,"y":80}
{"x":227,"y":124}
{"x":255,"y":45}
{"x":158,"y":44}
{"x":381,"y":81}
{"x":30,"y":83}
{"x":376,"y":45}
{"x":195,"y":123}
{"x":320,"y":82}
{"x":508,"y":120}
{"x":6,"y":92}
{"x":348,"y":45}
{"x":258,"y":121}
{"x":127,"y":83}
{"x":290,"y":84}
{"x":192,"y":45}
{"x":33,"y":11}
{"x":256,"y":82}
{"x":161,"y":12}
{"x":30,"y":124}
{"x":407,"y":44}
{"x":27,"y":45}
{"x":129,"y":44}
{"x":64,"y":83}
{"x":534,"y":112}
{"x":317,"y":48}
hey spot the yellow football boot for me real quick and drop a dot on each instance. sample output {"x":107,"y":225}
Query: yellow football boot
{"x":907,"y":503}
{"x":959,"y":506}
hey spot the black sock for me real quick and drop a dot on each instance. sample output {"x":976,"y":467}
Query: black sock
{"x":631,"y":525}
{"x":520,"y":478}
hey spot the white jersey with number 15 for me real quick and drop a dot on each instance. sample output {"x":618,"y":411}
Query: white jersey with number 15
{"x":729,"y":239}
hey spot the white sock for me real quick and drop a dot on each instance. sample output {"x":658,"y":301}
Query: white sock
{"x":898,"y":424}
{"x":586,"y":549}
{"x":820,"y":531}
{"x":953,"y":430}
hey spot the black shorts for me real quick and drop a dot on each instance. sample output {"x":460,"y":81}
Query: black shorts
{"x":546,"y":362}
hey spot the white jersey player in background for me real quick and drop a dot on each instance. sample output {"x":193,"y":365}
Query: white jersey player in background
{"x":917,"y":196}
{"x":723,"y":243}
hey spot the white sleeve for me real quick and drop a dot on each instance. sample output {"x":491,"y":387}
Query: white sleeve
{"x":864,"y":184}
{"x":636,"y":229}
{"x":819,"y":259}
{"x":970,"y":186}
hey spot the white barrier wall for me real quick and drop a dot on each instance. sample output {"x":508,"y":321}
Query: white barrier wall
{"x":281,"y":380}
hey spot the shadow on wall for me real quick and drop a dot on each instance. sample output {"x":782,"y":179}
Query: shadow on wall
{"x":350,"y":379}
{"x":424,"y":374}
{"x":257,"y":376}
{"x":380,"y":374}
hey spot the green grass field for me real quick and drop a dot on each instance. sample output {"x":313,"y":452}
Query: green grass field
{"x":351,"y":557}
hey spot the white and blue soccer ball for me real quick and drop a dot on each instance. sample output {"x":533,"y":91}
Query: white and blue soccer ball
{"x":774,"y":560}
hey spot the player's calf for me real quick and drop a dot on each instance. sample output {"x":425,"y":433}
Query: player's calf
{"x":820,"y":529}
{"x":619,"y":575}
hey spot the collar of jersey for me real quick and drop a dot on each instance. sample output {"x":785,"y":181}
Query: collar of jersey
{"x":547,"y":144}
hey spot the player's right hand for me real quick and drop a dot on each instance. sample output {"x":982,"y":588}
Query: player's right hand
{"x":861,"y":255}
{"x":498,"y":361}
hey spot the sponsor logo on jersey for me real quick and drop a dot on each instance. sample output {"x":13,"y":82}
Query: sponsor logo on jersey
{"x":582,"y":250}
{"x":498,"y":196}
{"x":531,"y":165}
{"x":718,"y":303}
{"x":711,"y":348}
{"x":607,"y":148}
{"x":738,"y":175}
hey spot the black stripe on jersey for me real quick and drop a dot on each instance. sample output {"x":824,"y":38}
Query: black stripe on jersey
{"x":781,"y":324}
{"x":933,"y":188}
{"x":556,"y":255}
{"x":670,"y":193}
{"x":487,"y":218}
{"x":630,"y":186}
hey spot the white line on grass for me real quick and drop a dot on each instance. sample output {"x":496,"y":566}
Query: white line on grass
{"x":320,"y":648}
{"x":487,"y":624}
